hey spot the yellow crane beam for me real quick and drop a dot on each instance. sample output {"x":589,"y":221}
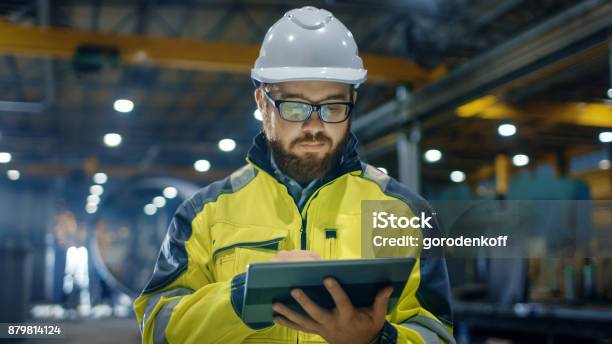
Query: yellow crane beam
{"x":573,"y":113}
{"x":183,"y":53}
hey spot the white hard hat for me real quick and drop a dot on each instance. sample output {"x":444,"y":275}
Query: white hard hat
{"x":309,"y":44}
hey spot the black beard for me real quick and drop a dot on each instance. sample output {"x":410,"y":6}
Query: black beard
{"x":308,"y":168}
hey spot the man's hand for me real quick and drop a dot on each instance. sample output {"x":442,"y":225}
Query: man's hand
{"x":295,"y":256}
{"x":343,"y":324}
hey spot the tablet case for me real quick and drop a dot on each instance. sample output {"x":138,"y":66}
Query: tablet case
{"x":361,"y":279}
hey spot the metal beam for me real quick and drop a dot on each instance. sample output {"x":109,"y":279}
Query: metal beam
{"x":408,"y":159}
{"x":497,"y":12}
{"x":572,"y":31}
{"x":183,"y":53}
{"x":11,"y":62}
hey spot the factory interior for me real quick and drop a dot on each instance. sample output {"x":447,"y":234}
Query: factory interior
{"x":113,"y":112}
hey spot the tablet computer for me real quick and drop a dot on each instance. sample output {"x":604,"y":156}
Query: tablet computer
{"x":361,"y":279}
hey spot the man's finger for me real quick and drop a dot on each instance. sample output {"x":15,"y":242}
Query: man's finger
{"x":282,"y":321}
{"x":280,"y":256}
{"x":314,"y":255}
{"x":381,"y":301}
{"x":298,"y":319}
{"x":342,"y":301}
{"x":316,"y":312}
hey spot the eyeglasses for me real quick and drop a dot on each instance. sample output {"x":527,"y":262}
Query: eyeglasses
{"x":294,"y":111}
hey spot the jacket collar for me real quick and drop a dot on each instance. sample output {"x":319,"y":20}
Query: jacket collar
{"x":349,"y":159}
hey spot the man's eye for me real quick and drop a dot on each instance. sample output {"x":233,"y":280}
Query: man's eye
{"x":336,"y":108}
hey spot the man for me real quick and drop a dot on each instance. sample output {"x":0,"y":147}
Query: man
{"x":298,"y":198}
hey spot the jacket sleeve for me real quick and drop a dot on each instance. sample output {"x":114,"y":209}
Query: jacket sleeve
{"x":182,"y":302}
{"x":423,"y":313}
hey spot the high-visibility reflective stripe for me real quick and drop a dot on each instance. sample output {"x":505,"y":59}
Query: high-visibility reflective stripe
{"x":428,"y":336}
{"x":161,"y":322}
{"x":152,"y":302}
{"x":242,"y":177}
{"x":372,"y":173}
{"x":428,"y":327}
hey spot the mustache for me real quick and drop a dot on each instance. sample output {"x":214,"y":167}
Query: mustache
{"x":320,"y":137}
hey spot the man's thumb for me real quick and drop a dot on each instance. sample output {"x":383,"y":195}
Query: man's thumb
{"x":382,"y":301}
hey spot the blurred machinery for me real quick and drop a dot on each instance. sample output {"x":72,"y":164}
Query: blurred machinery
{"x":130,"y":228}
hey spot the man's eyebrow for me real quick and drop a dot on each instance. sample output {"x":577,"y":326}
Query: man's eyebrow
{"x":338,"y":96}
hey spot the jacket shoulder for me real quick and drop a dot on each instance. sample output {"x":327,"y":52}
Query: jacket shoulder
{"x":389,"y":185}
{"x":230,"y":184}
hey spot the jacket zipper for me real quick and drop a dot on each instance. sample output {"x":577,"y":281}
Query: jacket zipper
{"x":303,"y":234}
{"x":303,"y":215}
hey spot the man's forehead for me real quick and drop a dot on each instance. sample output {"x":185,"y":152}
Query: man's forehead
{"x":311,"y":89}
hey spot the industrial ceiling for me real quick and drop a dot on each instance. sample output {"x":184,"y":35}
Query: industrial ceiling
{"x":462,"y":66}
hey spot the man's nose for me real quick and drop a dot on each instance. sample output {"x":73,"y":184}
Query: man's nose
{"x":313,"y":124}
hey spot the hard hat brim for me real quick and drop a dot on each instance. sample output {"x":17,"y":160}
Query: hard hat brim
{"x":282,"y":74}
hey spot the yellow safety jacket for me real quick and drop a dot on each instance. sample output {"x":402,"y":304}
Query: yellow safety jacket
{"x":197,"y":288}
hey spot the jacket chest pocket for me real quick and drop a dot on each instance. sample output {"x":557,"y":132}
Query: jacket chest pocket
{"x":234,"y":247}
{"x":338,"y":238}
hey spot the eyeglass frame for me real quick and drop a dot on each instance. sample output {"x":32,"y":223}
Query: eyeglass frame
{"x":313,"y":107}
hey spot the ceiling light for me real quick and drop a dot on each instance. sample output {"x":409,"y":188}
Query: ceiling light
{"x":93,"y":199}
{"x":91,"y":208}
{"x":5,"y":157}
{"x":100,"y":178}
{"x":112,"y":139}
{"x":97,"y":190}
{"x":159,"y":201}
{"x":13,"y":174}
{"x":123,"y":105}
{"x":433,"y":155}
{"x":202,"y":165}
{"x":605,"y":136}
{"x":227,"y":145}
{"x":170,"y":192}
{"x":506,"y":129}
{"x":150,"y":209}
{"x":457,"y":176}
{"x":520,"y":160}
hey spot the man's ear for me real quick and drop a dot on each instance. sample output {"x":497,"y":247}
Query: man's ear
{"x":354,"y":96}
{"x":259,"y":99}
